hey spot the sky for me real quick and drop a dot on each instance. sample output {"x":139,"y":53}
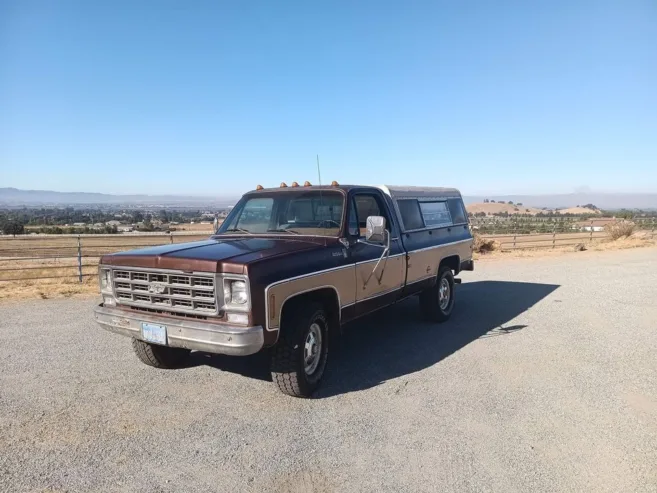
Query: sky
{"x":213,"y":98}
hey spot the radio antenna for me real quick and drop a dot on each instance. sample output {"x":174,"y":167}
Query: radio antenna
{"x":319,"y":178}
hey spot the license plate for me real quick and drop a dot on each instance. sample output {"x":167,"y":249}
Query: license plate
{"x":154,"y":333}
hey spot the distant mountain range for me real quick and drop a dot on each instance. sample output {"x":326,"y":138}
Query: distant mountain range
{"x":16,"y":197}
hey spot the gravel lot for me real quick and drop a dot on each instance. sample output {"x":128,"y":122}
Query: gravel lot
{"x":544,"y":380}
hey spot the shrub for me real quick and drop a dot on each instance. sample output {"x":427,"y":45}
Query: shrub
{"x":483,"y":245}
{"x":620,"y":229}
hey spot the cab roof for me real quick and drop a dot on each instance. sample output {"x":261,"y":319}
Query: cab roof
{"x":394,"y":191}
{"x":407,"y":192}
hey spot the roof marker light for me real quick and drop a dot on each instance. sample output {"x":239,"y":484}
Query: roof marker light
{"x":334,"y":183}
{"x":295,"y":184}
{"x":259,"y":187}
{"x":283,"y":185}
{"x":307,"y":184}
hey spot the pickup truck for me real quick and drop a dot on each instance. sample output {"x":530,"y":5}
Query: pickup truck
{"x":285,"y":271}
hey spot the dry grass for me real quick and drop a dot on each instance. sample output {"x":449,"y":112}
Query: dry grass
{"x":483,"y":244}
{"x":61,"y":287}
{"x":620,"y":229}
{"x":638,"y":240}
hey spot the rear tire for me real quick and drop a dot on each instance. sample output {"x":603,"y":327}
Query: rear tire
{"x":299,"y":357}
{"x":437,"y":302}
{"x":159,"y":356}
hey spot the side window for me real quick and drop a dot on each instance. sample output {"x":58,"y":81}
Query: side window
{"x":368,"y":205}
{"x":435,"y":214}
{"x":456,"y":210}
{"x":410,"y":214}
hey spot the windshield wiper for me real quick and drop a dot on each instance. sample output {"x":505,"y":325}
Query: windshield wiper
{"x":291,"y":231}
{"x":239,"y":230}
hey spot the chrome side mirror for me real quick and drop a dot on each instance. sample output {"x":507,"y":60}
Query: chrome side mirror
{"x":376,"y":229}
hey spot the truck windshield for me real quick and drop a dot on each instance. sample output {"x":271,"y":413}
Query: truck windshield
{"x":295,"y":213}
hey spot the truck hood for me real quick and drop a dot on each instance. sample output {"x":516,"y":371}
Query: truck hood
{"x":212,"y":255}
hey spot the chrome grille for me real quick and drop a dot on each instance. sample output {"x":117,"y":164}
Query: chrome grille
{"x":170,"y":291}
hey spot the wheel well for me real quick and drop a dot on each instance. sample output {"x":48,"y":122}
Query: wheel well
{"x":327,"y":297}
{"x":453,"y":262}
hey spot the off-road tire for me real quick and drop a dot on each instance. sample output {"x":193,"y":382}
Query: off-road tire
{"x":159,"y":356}
{"x":287,"y":365}
{"x":429,"y":299}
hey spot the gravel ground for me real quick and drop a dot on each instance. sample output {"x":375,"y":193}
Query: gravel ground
{"x":545,"y":379}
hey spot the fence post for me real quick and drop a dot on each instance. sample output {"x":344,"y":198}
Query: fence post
{"x":554,"y":236}
{"x":591,"y":236}
{"x":79,"y":259}
{"x":170,"y":237}
{"x":652,"y":231}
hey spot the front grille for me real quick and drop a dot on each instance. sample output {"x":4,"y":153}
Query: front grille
{"x":172,"y":292}
{"x":162,"y":312}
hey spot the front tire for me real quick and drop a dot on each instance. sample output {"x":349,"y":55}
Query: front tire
{"x":299,"y":357}
{"x":437,"y":302}
{"x":159,"y":356}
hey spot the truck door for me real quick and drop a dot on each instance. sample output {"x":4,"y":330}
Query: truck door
{"x":380,"y":272}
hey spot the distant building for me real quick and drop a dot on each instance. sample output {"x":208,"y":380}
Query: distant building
{"x":124,"y":229}
{"x":595,"y":225}
{"x":113,"y":223}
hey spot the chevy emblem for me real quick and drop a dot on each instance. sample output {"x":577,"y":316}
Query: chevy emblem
{"x":156,"y":288}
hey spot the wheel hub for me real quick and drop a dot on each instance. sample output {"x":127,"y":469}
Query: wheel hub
{"x":312,"y":349}
{"x":443,"y":294}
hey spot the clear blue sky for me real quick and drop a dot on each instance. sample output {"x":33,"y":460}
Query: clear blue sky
{"x":215,"y":97}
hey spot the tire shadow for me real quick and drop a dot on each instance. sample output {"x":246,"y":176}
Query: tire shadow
{"x":396,"y":341}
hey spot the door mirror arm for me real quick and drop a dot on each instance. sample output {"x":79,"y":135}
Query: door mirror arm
{"x":384,"y":255}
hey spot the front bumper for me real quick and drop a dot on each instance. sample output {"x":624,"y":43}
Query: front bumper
{"x":189,"y":334}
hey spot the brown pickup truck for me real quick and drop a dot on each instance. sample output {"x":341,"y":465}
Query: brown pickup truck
{"x":289,"y":267}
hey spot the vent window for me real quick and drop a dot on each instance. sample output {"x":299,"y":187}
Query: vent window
{"x":435,"y":214}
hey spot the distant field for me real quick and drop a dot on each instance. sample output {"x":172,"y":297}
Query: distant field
{"x":201,"y":227}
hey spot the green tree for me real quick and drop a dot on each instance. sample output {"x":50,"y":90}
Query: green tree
{"x":13,"y":228}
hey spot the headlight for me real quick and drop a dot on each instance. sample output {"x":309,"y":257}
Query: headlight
{"x":105,"y":280}
{"x":235,"y":292}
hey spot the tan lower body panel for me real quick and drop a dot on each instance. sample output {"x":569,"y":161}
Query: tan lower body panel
{"x":424,"y":264}
{"x":342,"y":280}
{"x":389,"y":275}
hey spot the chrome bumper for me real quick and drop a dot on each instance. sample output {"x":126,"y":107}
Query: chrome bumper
{"x":189,"y":334}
